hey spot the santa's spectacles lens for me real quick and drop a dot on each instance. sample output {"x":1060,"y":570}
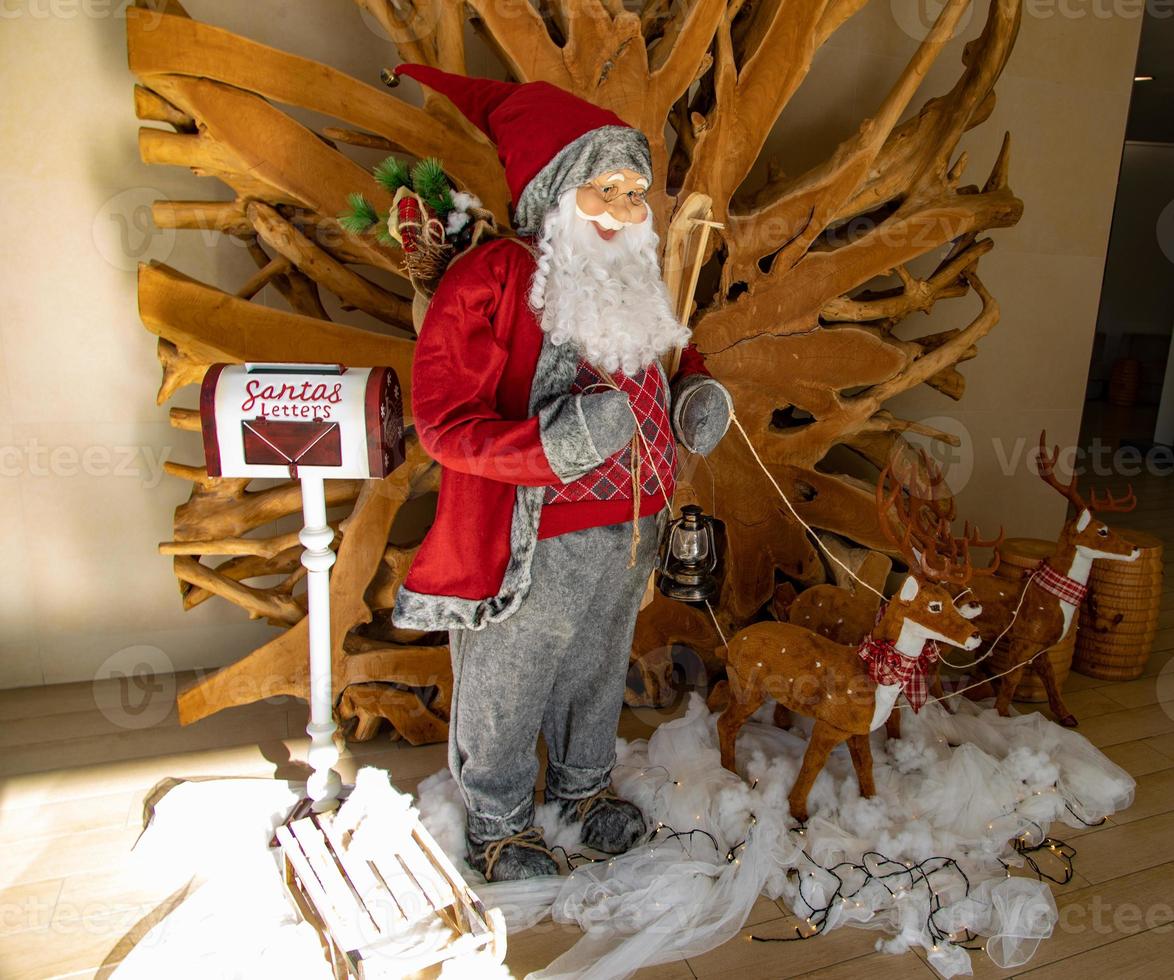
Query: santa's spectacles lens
{"x":610,"y":194}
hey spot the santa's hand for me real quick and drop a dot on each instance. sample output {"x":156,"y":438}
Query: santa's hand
{"x":610,"y":421}
{"x":580,"y":431}
{"x":702,"y":411}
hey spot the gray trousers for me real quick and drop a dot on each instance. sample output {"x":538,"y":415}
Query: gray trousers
{"x":556,"y":666}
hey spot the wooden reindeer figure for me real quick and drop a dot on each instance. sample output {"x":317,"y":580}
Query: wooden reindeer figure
{"x":851,"y":690}
{"x":1052,"y":595}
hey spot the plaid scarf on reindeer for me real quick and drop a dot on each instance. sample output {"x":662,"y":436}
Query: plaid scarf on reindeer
{"x":1060,"y":585}
{"x":888,"y":666}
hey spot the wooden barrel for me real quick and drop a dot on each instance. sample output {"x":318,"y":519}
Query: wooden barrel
{"x":1125,"y":381}
{"x":1132,"y":590}
{"x":1019,"y":558}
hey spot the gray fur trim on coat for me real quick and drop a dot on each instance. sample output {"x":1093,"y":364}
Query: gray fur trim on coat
{"x":606,"y":148}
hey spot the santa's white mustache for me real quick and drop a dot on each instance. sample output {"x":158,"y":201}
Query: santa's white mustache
{"x":606,"y":220}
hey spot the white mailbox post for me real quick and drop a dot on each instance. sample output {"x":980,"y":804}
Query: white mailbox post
{"x":313,"y":422}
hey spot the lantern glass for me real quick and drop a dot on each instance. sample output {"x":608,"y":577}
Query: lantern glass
{"x":690,"y":544}
{"x":689,"y":553}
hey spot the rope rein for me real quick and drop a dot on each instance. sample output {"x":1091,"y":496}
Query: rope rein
{"x":638,"y":440}
{"x":717,"y":626}
{"x":1006,"y":629}
{"x":794,"y":513}
{"x":985,"y":680}
{"x":990,"y":650}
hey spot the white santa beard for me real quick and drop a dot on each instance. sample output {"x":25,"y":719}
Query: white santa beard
{"x":605,"y":296}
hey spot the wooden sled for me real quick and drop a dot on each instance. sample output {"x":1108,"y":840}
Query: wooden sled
{"x":384,"y":898}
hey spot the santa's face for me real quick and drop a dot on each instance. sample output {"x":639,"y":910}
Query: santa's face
{"x":612,"y":201}
{"x":597,"y":281}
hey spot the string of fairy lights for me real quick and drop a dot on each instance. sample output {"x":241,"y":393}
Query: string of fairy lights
{"x":852,"y":878}
{"x":899,"y":878}
{"x":904,"y":878}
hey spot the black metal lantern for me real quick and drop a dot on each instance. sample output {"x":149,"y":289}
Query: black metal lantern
{"x":689,"y":557}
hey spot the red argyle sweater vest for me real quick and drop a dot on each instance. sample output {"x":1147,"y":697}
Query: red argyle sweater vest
{"x":604,"y":496}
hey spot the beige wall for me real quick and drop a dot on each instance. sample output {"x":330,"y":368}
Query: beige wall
{"x":83,"y":503}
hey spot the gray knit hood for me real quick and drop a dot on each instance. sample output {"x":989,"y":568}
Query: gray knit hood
{"x":598,"y":151}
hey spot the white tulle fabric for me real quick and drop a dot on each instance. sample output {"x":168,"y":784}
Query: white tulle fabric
{"x":960,"y":786}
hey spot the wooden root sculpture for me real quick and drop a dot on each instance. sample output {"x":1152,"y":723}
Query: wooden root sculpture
{"x":807,"y":288}
{"x":1041,"y":614}
{"x":831,"y":682}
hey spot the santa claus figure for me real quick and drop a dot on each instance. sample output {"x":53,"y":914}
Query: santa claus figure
{"x":537,"y":386}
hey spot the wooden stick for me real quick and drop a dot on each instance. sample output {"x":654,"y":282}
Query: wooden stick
{"x":262,"y":277}
{"x":694,"y":275}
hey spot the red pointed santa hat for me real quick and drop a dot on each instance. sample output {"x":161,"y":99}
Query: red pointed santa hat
{"x":547,"y":139}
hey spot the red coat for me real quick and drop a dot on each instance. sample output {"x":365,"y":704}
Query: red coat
{"x":481,"y":372}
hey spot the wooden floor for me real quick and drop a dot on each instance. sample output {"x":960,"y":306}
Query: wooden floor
{"x":73,"y":778}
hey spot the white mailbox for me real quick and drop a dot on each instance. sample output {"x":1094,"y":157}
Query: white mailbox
{"x":312,"y":422}
{"x":281,"y":420}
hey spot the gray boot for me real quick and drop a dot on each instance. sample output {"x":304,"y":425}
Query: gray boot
{"x":610,"y":824}
{"x":521,"y":855}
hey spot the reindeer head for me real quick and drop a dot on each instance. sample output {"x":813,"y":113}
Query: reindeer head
{"x":925,"y":607}
{"x":924,"y":610}
{"x":1085,"y":534}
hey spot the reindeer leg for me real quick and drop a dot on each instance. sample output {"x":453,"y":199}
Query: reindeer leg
{"x":719,"y":697}
{"x":860,"y":748}
{"x":893,"y":724}
{"x":939,"y":692}
{"x":1009,"y":682}
{"x":824,"y":738}
{"x":742,"y":704}
{"x":782,"y":716}
{"x":1043,"y":668}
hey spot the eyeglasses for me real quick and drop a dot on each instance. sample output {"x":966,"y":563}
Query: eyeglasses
{"x":611,"y":193}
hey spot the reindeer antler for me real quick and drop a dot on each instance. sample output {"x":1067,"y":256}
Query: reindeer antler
{"x":1047,"y":472}
{"x":887,"y":502}
{"x":941,"y":505}
{"x":920,"y":543}
{"x":1105,"y":504}
{"x":1109,"y":503}
{"x":974,"y":541}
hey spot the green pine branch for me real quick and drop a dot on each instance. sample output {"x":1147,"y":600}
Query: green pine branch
{"x":430,"y":182}
{"x":383,"y":236}
{"x":392,"y":174}
{"x":359,"y":216}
